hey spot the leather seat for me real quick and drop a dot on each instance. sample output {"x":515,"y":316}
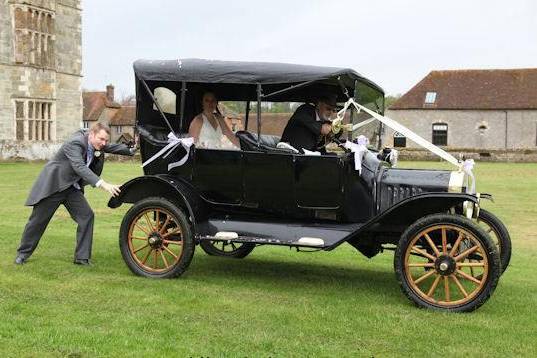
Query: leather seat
{"x":267,"y":143}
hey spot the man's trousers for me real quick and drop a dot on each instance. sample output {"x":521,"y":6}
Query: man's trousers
{"x":80,"y":211}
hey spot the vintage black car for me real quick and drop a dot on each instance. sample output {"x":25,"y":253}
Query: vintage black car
{"x":230,"y":201}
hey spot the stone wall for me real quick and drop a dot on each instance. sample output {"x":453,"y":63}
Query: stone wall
{"x":490,"y":129}
{"x":57,"y":82}
{"x":478,"y":154}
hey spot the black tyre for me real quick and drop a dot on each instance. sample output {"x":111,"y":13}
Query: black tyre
{"x":227,"y":249}
{"x":499,"y":235}
{"x":461,"y":272}
{"x":155,"y":239}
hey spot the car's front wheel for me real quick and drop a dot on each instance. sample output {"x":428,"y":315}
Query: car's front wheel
{"x":447,"y":262}
{"x":155,"y":239}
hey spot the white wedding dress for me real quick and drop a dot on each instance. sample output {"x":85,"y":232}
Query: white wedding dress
{"x":211,"y":138}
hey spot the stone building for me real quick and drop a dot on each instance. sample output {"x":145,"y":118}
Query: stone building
{"x":470,"y":109}
{"x":40,"y":75}
{"x":102,"y":107}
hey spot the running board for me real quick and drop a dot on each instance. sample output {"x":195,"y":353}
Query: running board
{"x":302,"y":242}
{"x":313,"y":234}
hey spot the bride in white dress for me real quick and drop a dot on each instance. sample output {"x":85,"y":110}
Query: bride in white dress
{"x":209,"y":129}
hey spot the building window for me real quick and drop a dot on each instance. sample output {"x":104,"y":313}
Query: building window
{"x":85,"y":124}
{"x":399,"y":140}
{"x":430,"y":97}
{"x":34,"y":120}
{"x":34,"y":36}
{"x":440,"y":133}
{"x":118,"y":130}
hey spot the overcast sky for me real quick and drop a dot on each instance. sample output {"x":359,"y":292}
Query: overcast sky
{"x":394,"y":43}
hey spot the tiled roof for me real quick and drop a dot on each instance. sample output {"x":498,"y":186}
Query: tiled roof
{"x":124,"y":116}
{"x":94,"y":104}
{"x":474,"y":89}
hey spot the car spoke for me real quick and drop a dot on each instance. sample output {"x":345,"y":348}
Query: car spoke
{"x":421,"y":264}
{"x":425,"y":276}
{"x":170,"y":252}
{"x":431,"y":243}
{"x":140,"y":248}
{"x":459,"y":285}
{"x":447,"y":296}
{"x":468,"y":277}
{"x":423,"y":253}
{"x":164,"y":259}
{"x":456,"y":245}
{"x":465,"y":253}
{"x":165,"y":225}
{"x":444,"y":241}
{"x":433,"y":286}
{"x":146,"y":256}
{"x":146,"y":216}
{"x":141,"y":228}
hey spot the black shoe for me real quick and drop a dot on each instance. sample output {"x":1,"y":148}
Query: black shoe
{"x":19,"y":260}
{"x":83,"y":262}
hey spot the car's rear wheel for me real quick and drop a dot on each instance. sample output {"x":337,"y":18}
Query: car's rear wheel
{"x":227,"y":249}
{"x":498,"y":233}
{"x":447,"y":262}
{"x":155,"y":239}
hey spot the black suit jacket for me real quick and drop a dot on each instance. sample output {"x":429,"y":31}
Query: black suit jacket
{"x":68,"y":166}
{"x":303,"y":130}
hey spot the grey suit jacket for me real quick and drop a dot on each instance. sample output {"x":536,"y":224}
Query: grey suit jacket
{"x":69,"y":167}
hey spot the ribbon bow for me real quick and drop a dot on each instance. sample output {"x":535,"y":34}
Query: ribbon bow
{"x":173,"y":142}
{"x":359,"y":150}
{"x":467,"y":166}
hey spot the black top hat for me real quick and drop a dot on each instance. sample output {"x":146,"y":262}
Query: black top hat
{"x":328,"y":98}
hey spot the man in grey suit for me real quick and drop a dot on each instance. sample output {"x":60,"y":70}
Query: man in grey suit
{"x":79,"y":162}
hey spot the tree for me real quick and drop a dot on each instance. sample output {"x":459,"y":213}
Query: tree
{"x":391,"y":99}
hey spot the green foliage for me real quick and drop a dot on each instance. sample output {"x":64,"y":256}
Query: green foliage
{"x":390,"y":99}
{"x":275,"y":302}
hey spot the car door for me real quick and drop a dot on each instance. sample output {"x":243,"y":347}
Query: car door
{"x":217,"y":175}
{"x":268,"y":181}
{"x":318,"y":181}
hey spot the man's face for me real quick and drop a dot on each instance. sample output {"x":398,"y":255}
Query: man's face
{"x":98,"y":140}
{"x":325,"y":110}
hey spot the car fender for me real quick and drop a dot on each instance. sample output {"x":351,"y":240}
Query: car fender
{"x":411,"y":209}
{"x":397,"y":217}
{"x":173,"y":189}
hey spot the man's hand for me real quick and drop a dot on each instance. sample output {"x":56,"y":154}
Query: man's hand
{"x":326,"y":128}
{"x":111,"y":188}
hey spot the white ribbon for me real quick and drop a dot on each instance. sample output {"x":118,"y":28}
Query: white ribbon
{"x":309,"y":152}
{"x":359,"y":150}
{"x":393,"y":157}
{"x":466,"y":166}
{"x":173,"y":142}
{"x":409,"y":134}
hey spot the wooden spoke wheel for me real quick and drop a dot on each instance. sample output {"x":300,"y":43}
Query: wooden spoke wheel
{"x":499,"y":235}
{"x":155,"y":239}
{"x":227,"y":249}
{"x":447,"y":262}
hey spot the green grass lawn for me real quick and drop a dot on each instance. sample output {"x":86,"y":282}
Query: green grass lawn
{"x":275,"y":302}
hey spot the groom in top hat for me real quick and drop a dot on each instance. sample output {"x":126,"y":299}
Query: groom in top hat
{"x":309,"y":123}
{"x":77,"y":163}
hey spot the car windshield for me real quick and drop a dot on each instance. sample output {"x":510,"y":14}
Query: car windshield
{"x":372,"y":99}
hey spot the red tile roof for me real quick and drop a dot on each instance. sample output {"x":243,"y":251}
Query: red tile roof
{"x":124,"y":116}
{"x":474,"y":89}
{"x":94,"y":103}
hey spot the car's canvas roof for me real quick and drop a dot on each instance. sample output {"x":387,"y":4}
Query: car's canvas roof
{"x":237,"y":72}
